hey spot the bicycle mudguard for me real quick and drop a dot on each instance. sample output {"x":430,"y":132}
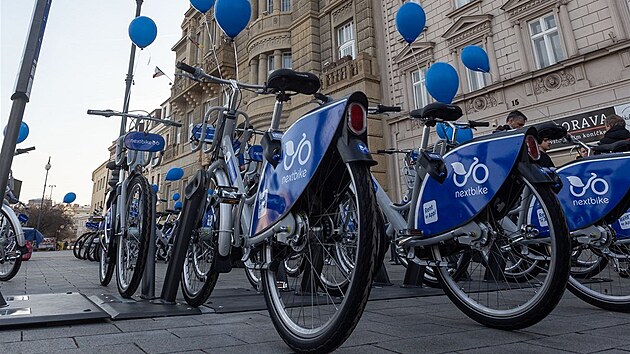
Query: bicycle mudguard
{"x":304,"y":145}
{"x":475,"y":173}
{"x":594,"y":189}
{"x":16,"y":223}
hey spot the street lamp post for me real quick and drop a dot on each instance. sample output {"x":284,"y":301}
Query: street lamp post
{"x":41,"y":205}
{"x":51,"y":191}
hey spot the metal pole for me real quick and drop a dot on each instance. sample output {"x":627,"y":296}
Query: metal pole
{"x":41,"y":205}
{"x":23,"y":88}
{"x":129,"y":79}
{"x":22,"y":94}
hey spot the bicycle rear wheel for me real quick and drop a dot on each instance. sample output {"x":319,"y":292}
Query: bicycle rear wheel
{"x":488,"y":290}
{"x":601,"y":275}
{"x":133,"y":245}
{"x":78,"y":245}
{"x":310,"y":314}
{"x":10,"y":258}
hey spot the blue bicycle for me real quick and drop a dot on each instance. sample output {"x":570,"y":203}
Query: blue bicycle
{"x":313,"y":210}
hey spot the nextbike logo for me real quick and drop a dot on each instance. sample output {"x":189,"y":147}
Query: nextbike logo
{"x":145,"y":142}
{"x":479,"y":174}
{"x":596,"y":185}
{"x":300,"y":154}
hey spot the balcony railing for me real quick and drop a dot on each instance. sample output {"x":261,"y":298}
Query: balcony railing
{"x":347,"y":71}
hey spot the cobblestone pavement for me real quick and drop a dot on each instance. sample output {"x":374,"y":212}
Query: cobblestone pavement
{"x":428,"y":324}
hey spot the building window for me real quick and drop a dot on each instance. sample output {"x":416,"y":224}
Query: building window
{"x":420,"y":94}
{"x":345,"y":40}
{"x":476,"y":80}
{"x":270,"y":6}
{"x":546,"y":41}
{"x":285,"y":6}
{"x":287,"y":61}
{"x":270,"y":64}
{"x":460,"y":3}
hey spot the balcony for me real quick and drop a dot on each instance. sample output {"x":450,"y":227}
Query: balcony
{"x":347,"y":72}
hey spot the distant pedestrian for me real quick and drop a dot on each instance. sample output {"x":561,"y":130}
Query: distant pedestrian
{"x":515,"y":120}
{"x":544,"y":144}
{"x":65,"y":245}
{"x":615,"y":130}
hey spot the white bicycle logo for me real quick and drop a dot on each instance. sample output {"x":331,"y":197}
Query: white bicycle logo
{"x":591,"y":184}
{"x":459,"y":170}
{"x":293,"y":153}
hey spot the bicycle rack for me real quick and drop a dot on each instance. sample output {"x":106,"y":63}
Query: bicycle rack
{"x":3,"y":302}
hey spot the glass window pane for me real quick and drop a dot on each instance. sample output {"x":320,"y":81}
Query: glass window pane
{"x":269,"y":6}
{"x":556,"y":47}
{"x":286,"y":61}
{"x":270,"y":63}
{"x":550,"y":22}
{"x":460,"y":3}
{"x":541,"y":52}
{"x":286,"y":5}
{"x":535,"y":27}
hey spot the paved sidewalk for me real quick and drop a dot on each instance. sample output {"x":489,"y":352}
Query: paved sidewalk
{"x":416,"y":325}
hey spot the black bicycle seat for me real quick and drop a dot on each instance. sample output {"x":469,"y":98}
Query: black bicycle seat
{"x":447,"y":112}
{"x":283,"y":80}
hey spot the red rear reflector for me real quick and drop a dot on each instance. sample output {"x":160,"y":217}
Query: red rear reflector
{"x":532,"y":147}
{"x":357,"y":118}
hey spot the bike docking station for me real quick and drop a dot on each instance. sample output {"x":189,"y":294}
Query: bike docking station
{"x":148,"y":305}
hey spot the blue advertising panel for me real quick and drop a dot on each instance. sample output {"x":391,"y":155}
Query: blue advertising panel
{"x":140,"y":141}
{"x":303,"y":147}
{"x":476,"y":171}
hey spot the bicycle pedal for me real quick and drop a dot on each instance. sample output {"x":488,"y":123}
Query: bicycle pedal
{"x":229,"y":195}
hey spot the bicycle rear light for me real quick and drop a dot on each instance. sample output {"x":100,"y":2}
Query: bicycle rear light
{"x":532,"y":147}
{"x":357,"y":118}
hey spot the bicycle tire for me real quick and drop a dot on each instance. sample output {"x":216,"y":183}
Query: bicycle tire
{"x":330,"y":333}
{"x":543,"y":296}
{"x":85,"y":246}
{"x":8,"y":231}
{"x":78,"y":244}
{"x":91,"y":247}
{"x":133,"y":246}
{"x":198,"y":277}
{"x":107,"y":259}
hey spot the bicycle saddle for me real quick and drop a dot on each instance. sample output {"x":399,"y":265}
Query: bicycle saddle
{"x":447,"y":112}
{"x":550,"y":130}
{"x":618,"y":146}
{"x":283,"y":80}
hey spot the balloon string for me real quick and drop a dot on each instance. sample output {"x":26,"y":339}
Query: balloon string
{"x":235,"y":59}
{"x":214,"y":50}
{"x":415,"y":58}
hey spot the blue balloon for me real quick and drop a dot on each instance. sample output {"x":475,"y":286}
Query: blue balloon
{"x":177,"y":206}
{"x":202,"y":5}
{"x":444,"y":131}
{"x":232,"y":15}
{"x":475,"y":58}
{"x":155,"y":188}
{"x":410,"y":21}
{"x":176,"y":196}
{"x":69,"y":197}
{"x":174,"y":174}
{"x":142,"y":31}
{"x":442,"y":82}
{"x":24,"y":130}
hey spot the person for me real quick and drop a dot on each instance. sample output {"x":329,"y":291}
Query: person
{"x":615,"y":130}
{"x":544,"y":144}
{"x":515,"y":120}
{"x":582,"y":153}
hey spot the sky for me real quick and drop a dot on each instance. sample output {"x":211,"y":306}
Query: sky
{"x":82,"y":65}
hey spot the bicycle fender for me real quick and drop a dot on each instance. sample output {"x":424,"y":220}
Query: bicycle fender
{"x":476,"y":171}
{"x":355,"y":150}
{"x":16,"y":224}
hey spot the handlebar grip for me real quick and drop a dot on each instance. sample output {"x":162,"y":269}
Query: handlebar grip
{"x":382,"y":108}
{"x":185,"y":67}
{"x":474,"y":124}
{"x":96,"y":112}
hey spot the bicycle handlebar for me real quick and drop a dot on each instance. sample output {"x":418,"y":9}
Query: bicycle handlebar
{"x":23,"y":151}
{"x":198,"y":73}
{"x":473,"y":124}
{"x":109,"y":113}
{"x":380,"y":109}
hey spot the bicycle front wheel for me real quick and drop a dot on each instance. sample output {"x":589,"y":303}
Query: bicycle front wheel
{"x":317,"y":306}
{"x":10,"y":258}
{"x":133,"y":245}
{"x":516,"y":276}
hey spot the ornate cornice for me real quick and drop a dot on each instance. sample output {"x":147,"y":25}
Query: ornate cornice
{"x":521,"y":8}
{"x":481,"y":103}
{"x":278,"y":41}
{"x":468,"y":28}
{"x":424,"y":52}
{"x":553,"y":81}
{"x":341,"y":11}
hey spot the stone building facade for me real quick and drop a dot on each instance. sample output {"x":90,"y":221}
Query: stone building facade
{"x":561,"y":60}
{"x":334,"y":39}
